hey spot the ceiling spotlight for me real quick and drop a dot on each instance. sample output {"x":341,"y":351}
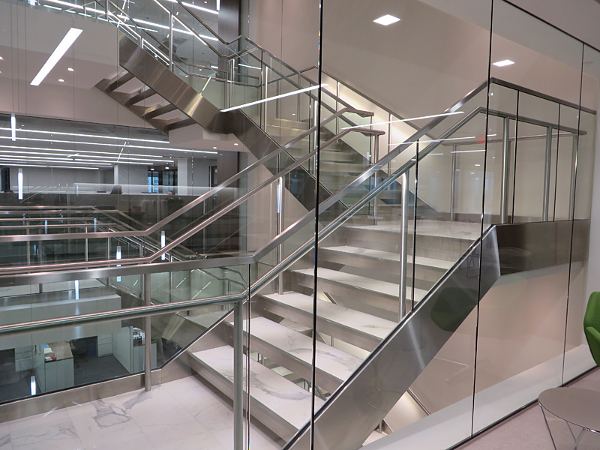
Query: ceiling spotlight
{"x":214,"y":148}
{"x":1,"y":58}
{"x":386,"y":20}
{"x":60,"y":80}
{"x":506,"y":62}
{"x":235,"y":143}
{"x":70,"y":69}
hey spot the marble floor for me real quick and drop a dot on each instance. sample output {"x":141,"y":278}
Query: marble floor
{"x":179,"y":415}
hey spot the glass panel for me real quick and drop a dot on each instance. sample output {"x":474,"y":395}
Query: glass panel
{"x":521,"y":321}
{"x":577,"y":355}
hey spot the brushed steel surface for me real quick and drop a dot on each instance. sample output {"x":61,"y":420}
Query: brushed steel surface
{"x":365,"y":398}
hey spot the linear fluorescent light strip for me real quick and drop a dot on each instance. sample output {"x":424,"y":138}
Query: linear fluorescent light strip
{"x":58,"y":154}
{"x":13,"y":127}
{"x":58,"y":53}
{"x":53,"y":167}
{"x":406,"y":120}
{"x":288,"y":94}
{"x":83,"y":153}
{"x":20,"y":183}
{"x":91,"y":136}
{"x":506,"y":62}
{"x":104,"y":144}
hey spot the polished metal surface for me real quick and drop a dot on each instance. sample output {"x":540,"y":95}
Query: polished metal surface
{"x":238,"y":374}
{"x":403,"y":246}
{"x":148,"y":332}
{"x":130,"y":313}
{"x":504,"y":194}
{"x":366,"y":397}
{"x":547,"y":174}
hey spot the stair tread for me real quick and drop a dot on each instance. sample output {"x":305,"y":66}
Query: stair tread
{"x":366,"y":323}
{"x":329,"y":359}
{"x":284,"y":398}
{"x":380,"y":254}
{"x":382,"y":287}
{"x":455,"y":230}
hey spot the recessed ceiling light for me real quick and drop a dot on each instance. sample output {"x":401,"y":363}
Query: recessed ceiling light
{"x":506,"y":62}
{"x":386,"y":20}
{"x":214,"y":148}
{"x":1,"y":58}
{"x":60,"y":80}
{"x":235,"y":143}
{"x":58,"y":53}
{"x":70,"y":69}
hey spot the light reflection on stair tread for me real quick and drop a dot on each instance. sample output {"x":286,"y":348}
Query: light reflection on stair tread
{"x":439,"y":263}
{"x":351,"y":318}
{"x":289,"y":401}
{"x":357,"y":281}
{"x":329,"y":359}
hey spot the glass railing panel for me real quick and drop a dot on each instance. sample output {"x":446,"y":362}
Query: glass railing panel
{"x":585,"y":164}
{"x":529,"y":173}
{"x":498,"y":195}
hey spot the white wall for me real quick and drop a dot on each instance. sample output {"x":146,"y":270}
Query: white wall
{"x":27,"y":38}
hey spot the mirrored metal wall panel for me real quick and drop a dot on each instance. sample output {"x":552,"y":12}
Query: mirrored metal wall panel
{"x":577,"y":355}
{"x":522,"y":316}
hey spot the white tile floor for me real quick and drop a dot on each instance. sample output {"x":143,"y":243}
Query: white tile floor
{"x":179,"y":415}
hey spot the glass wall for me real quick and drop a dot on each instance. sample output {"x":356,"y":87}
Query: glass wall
{"x":353,"y":225}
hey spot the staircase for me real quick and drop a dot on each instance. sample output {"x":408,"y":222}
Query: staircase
{"x":357,"y":307}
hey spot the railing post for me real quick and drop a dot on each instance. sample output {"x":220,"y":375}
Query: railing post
{"x":403,"y":245}
{"x":280,"y":227}
{"x":547,"y":169}
{"x":87,"y":247}
{"x":265,"y":86}
{"x":170,"y":40}
{"x":573,"y":172}
{"x":505,"y":171}
{"x":453,"y":183}
{"x":238,"y":376}
{"x":148,"y":333}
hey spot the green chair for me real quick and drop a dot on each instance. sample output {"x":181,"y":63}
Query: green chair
{"x":591,"y":325}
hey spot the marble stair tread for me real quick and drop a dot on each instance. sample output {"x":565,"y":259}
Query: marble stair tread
{"x":286,"y":399}
{"x":456,"y":230}
{"x":330,"y":360}
{"x":380,"y":254}
{"x":366,"y":323}
{"x":369,"y":284}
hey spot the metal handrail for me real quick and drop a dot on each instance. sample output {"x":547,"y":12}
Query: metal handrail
{"x":195,"y":202}
{"x":174,"y":243}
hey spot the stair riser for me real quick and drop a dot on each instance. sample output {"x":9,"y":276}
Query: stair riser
{"x":370,"y":302}
{"x":436,"y":247}
{"x":259,"y":411}
{"x":384,"y":270}
{"x":337,"y":331}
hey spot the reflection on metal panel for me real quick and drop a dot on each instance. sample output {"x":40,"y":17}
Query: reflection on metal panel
{"x":366,"y":397}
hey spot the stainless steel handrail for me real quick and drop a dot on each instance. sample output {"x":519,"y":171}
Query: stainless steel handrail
{"x":156,"y":227}
{"x":174,"y":243}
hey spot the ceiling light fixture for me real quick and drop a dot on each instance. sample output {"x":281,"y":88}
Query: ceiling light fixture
{"x":1,"y":58}
{"x":70,"y":69}
{"x":505,"y":62}
{"x":58,"y":53}
{"x":386,"y":20}
{"x":60,"y":80}
{"x":300,"y":91}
